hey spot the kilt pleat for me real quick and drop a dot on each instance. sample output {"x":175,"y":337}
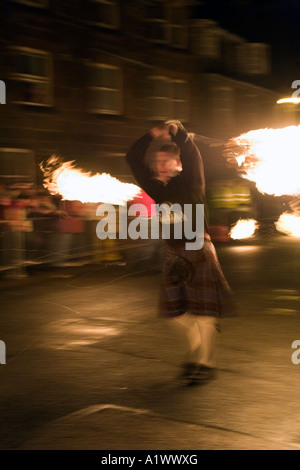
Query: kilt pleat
{"x":207,"y":293}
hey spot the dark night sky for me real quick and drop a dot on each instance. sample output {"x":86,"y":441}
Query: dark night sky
{"x":275,"y":22}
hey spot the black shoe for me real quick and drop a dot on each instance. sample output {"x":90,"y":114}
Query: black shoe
{"x":203,"y":374}
{"x":187,"y":373}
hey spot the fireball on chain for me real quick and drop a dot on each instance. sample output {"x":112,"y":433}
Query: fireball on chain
{"x":271,"y":159}
{"x":268,"y":157}
{"x":74,"y":184}
{"x":289,"y":224}
{"x":244,"y":228}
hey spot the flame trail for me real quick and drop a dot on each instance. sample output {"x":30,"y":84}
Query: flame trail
{"x":75,"y":184}
{"x":268,"y":157}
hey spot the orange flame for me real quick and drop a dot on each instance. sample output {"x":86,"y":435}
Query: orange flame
{"x":75,"y":184}
{"x":244,"y":228}
{"x":268,"y":157}
{"x":289,"y":224}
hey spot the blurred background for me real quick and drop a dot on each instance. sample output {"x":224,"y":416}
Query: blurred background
{"x":89,"y":362}
{"x":85,"y":78}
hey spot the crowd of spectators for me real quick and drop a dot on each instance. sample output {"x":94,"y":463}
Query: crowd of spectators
{"x":37,"y":227}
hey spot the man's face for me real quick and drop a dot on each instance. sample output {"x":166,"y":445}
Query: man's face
{"x":166,"y":165}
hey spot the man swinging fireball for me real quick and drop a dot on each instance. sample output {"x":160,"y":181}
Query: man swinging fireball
{"x":194,"y":292}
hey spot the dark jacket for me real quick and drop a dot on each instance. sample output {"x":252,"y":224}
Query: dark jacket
{"x":187,"y":187}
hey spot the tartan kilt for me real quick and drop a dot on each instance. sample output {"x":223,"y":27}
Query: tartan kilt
{"x":207,"y":293}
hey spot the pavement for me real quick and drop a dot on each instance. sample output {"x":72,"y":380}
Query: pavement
{"x":98,"y":368}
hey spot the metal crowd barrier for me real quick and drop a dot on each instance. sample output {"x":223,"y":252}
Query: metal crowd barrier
{"x":20,"y":250}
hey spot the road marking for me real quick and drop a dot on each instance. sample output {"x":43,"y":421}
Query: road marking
{"x":94,"y":409}
{"x":287,"y":297}
{"x":280,"y":311}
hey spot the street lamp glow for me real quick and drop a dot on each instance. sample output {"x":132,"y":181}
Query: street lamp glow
{"x":289,"y":100}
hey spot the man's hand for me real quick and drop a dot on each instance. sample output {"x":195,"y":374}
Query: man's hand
{"x":161,"y":132}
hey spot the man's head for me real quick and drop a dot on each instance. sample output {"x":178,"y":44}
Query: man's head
{"x":166,"y":162}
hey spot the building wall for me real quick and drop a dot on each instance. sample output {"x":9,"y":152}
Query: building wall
{"x":158,"y":63}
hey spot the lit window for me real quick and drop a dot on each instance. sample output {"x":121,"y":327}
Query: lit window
{"x":31,"y":76}
{"x":104,"y":13}
{"x":168,"y":99}
{"x":105,"y":90}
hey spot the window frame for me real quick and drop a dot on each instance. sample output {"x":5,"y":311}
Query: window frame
{"x":254,"y":58}
{"x":249,"y":108}
{"x":173,"y":25}
{"x":171,"y":100}
{"x":14,"y":150}
{"x":164,"y":24}
{"x":168,"y":27}
{"x":113,"y":3}
{"x":219,"y":112}
{"x":103,"y":111}
{"x":35,"y":79}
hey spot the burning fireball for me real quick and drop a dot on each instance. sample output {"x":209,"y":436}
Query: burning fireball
{"x":289,"y":224}
{"x":268,"y":157}
{"x":73,"y":184}
{"x":244,"y":228}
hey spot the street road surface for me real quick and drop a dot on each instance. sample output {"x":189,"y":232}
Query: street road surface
{"x":90,"y":365}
